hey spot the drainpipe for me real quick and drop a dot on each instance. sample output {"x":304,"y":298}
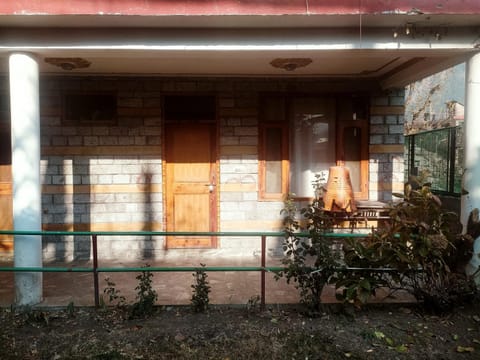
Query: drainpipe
{"x":471,"y":178}
{"x":25,"y":128}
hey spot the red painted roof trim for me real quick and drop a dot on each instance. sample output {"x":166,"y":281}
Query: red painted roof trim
{"x":236,"y":7}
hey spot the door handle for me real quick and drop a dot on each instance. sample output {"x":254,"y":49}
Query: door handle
{"x":211,"y":187}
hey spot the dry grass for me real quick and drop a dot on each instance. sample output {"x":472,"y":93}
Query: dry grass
{"x":379,"y":332}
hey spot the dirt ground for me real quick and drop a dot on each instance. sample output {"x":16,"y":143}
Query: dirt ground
{"x":391,"y":331}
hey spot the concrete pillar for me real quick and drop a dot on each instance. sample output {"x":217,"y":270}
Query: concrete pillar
{"x":25,"y":123}
{"x":471,"y":178}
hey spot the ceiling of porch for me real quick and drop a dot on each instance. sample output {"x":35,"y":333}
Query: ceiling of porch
{"x":393,"y":50}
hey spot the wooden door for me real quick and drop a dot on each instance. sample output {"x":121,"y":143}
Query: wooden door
{"x":6,"y":221}
{"x":352,"y":151}
{"x":191,"y":184}
{"x":352,"y":140}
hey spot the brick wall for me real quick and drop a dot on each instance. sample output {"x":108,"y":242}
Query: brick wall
{"x":386,"y":167}
{"x":104,"y":178}
{"x":110,"y":177}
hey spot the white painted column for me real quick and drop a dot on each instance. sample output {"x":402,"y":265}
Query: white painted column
{"x":471,"y":178}
{"x":25,"y":123}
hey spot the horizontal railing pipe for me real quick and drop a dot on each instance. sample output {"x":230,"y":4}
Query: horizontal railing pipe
{"x":178,"y":269}
{"x":45,"y":269}
{"x":95,"y":269}
{"x":173,"y":233}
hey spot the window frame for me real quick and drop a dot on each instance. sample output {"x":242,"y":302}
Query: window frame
{"x":341,"y":123}
{"x":285,"y":162}
{"x":66,"y":120}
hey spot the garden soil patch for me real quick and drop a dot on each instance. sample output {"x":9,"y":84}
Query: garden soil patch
{"x":374,"y":332}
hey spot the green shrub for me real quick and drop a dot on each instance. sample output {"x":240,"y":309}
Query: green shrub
{"x":201,"y":289}
{"x":146,"y":295}
{"x":419,"y":250}
{"x":420,"y":244}
{"x":310,"y":262}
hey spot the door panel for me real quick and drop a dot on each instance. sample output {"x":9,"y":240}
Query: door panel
{"x":6,"y":221}
{"x":6,"y":242}
{"x":352,"y":151}
{"x":191,"y":190}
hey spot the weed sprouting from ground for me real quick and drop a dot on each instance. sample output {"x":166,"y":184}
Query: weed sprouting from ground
{"x":253,"y":304}
{"x":145,"y":298}
{"x":113,"y":294}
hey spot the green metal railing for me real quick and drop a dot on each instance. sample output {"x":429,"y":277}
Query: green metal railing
{"x":95,"y":269}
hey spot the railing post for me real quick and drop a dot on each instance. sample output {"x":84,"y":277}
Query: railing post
{"x":262,"y":273}
{"x":95,"y":272}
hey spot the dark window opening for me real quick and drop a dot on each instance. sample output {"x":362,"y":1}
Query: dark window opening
{"x":5,"y":139}
{"x":189,"y":108}
{"x":4,"y":104}
{"x":90,"y":109}
{"x":5,"y":147}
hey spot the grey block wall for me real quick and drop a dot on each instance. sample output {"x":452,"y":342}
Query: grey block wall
{"x":96,"y":177}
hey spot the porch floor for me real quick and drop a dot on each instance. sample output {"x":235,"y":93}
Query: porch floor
{"x":173,"y":288}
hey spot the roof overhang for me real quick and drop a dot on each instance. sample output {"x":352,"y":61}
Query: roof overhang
{"x":238,"y":7}
{"x":373,"y":53}
{"x":391,"y":44}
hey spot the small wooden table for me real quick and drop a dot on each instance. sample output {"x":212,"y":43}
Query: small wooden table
{"x":368,"y":213}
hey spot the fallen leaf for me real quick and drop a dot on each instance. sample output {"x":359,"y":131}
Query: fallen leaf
{"x":179,"y":337}
{"x":463,"y":349}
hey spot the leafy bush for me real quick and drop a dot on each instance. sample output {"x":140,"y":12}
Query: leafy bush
{"x":420,"y":244}
{"x":146,"y":295}
{"x":420,"y":250}
{"x":201,"y":289}
{"x":311,"y":262}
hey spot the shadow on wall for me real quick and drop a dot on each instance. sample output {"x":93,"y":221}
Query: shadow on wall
{"x":70,"y":204}
{"x":54,"y":208}
{"x":81,"y":206}
{"x":148,"y":243}
{"x":67,"y":210}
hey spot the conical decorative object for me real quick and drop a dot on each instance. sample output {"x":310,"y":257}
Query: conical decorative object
{"x":338,"y":195}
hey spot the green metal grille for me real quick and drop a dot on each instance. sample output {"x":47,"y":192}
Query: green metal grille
{"x":439,"y":154}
